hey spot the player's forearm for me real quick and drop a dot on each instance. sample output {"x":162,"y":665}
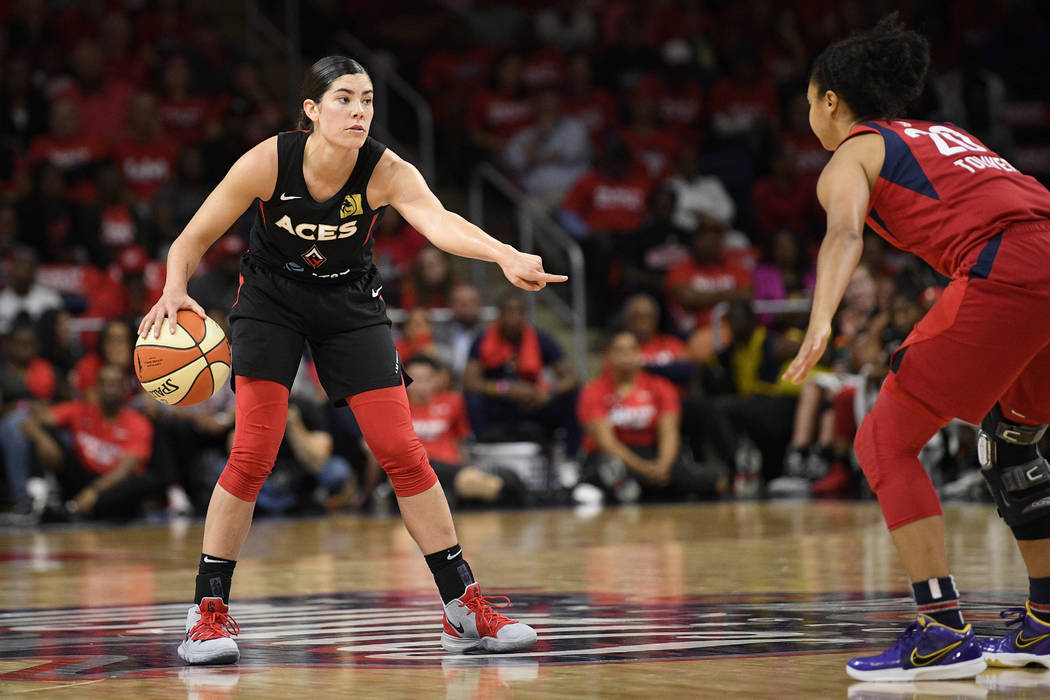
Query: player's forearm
{"x":838,"y":258}
{"x":456,"y":235}
{"x":183,"y":257}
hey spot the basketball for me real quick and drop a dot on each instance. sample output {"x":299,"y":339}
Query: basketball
{"x":185,"y":367}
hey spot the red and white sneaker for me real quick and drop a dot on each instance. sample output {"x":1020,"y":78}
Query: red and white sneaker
{"x":208,"y":634}
{"x":471,"y":622}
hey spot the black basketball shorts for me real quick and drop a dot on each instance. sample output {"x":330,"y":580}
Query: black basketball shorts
{"x":345,"y":325}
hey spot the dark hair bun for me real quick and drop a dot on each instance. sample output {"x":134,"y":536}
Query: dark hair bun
{"x":877,"y":74}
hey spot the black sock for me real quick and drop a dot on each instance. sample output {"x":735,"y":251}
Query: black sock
{"x":214,"y":576}
{"x":451,"y":573}
{"x":1039,"y":596}
{"x":937,"y":598}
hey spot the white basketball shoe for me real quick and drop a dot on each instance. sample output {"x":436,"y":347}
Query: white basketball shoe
{"x":472,"y":622}
{"x":209,"y":630}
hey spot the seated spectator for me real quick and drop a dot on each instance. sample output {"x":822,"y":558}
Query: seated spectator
{"x":680,"y":100}
{"x":706,"y":278}
{"x":652,"y":143}
{"x":116,"y":346}
{"x":23,"y":293}
{"x":455,"y":338}
{"x":784,"y":272}
{"x":594,"y":106}
{"x":415,"y":336}
{"x":782,"y":199}
{"x":744,"y":104}
{"x":633,"y":442}
{"x":511,"y":394}
{"x":657,"y":247}
{"x":498,"y":112}
{"x":179,"y":199}
{"x":59,"y":343}
{"x":101,"y":100}
{"x":144,"y":155}
{"x":73,"y":149}
{"x":26,"y":375}
{"x":550,"y":155}
{"x":439,"y":418}
{"x":186,"y":115}
{"x":397,"y":245}
{"x":23,"y":106}
{"x":662,"y":354}
{"x":100,"y":460}
{"x":698,"y":195}
{"x":811,"y":157}
{"x":430,"y":282}
{"x":603,"y":209}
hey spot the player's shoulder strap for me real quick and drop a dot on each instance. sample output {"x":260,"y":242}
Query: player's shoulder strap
{"x":367,"y":159}
{"x":290,"y":146}
{"x":862,"y":128}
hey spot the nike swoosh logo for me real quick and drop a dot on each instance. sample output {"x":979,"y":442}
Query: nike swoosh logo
{"x":920,"y":660}
{"x":455,"y":554}
{"x":209,"y":560}
{"x":285,"y":197}
{"x":1022,"y":642}
{"x":453,"y":625}
{"x":375,"y":293}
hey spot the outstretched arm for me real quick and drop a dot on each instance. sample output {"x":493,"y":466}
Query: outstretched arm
{"x":400,"y":184}
{"x":844,"y":190}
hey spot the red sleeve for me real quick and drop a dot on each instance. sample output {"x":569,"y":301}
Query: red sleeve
{"x":140,"y":443}
{"x":589,"y":407}
{"x":676,"y":275}
{"x":476,"y":114}
{"x":65,"y":413}
{"x":667,"y":400}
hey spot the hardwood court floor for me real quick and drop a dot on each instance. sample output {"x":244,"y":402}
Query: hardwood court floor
{"x":722,"y":600}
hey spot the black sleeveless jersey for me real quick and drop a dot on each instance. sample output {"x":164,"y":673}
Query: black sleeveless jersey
{"x":310,"y":241}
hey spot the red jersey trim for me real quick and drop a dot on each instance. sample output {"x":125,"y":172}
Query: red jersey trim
{"x":374,"y":217}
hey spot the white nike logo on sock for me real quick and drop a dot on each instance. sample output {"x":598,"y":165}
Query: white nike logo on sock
{"x":285,"y":197}
{"x":209,"y":560}
{"x":455,"y":554}
{"x":375,"y":292}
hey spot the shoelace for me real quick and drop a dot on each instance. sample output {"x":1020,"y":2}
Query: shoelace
{"x":483,"y":608}
{"x":213,"y":626}
{"x":1014,"y":616}
{"x":909,"y":632}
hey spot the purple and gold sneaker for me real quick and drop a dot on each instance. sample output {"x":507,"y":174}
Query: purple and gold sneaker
{"x":927,"y":650}
{"x":1028,"y":645}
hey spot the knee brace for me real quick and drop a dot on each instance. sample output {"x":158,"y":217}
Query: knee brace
{"x":261,"y":414}
{"x":1022,"y":489}
{"x":386,"y":424}
{"x":887,"y":446}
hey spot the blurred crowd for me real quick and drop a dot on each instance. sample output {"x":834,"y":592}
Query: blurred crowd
{"x":669,"y":139}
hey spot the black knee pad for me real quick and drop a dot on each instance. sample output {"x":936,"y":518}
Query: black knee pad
{"x":1021,"y":491}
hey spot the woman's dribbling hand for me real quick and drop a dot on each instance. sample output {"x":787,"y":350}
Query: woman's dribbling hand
{"x":168,"y":307}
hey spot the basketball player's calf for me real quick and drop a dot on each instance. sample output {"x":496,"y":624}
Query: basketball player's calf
{"x":1019,"y":480}
{"x":262,"y":409}
{"x":470,"y":622}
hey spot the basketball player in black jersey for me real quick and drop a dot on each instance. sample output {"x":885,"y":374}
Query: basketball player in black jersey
{"x":309,"y":277}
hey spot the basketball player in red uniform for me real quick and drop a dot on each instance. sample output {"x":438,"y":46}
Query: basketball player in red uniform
{"x":309,"y":277}
{"x":981,"y":354}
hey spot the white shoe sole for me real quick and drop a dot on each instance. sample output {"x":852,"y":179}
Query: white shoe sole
{"x":965,"y":669}
{"x":1016,"y":660}
{"x":459,"y":645}
{"x":219,"y":656}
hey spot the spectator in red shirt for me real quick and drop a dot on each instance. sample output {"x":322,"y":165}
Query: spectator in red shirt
{"x":782,"y":199}
{"x":430,"y":282}
{"x":497,"y":112}
{"x":706,"y":278}
{"x":633,"y":424}
{"x":76,"y":151}
{"x":26,"y":376}
{"x":397,"y":245}
{"x":102,"y":470}
{"x":744,"y":104}
{"x":415,"y":337}
{"x":187,"y":116}
{"x":116,"y":343}
{"x":810,"y":155}
{"x":605,"y":209}
{"x":145,"y":156}
{"x":662,"y":354}
{"x":439,"y":417}
{"x":594,"y":106}
{"x":101,"y":101}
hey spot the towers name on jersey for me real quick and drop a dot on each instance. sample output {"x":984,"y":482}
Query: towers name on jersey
{"x":941,"y":193}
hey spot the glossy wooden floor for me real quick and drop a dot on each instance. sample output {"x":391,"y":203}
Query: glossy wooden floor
{"x":720,"y":600}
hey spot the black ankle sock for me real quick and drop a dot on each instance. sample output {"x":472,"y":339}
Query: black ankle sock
{"x":1039,"y":591}
{"x":938,"y":599}
{"x":214,"y":576}
{"x":451,"y":573}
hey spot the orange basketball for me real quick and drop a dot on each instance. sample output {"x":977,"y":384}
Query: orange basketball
{"x":184,"y":367}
